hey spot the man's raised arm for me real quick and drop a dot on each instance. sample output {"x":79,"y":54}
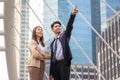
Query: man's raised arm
{"x":71,"y":20}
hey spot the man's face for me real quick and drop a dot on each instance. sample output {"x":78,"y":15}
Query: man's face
{"x":57,"y":28}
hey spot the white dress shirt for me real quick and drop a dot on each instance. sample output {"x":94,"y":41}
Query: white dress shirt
{"x":59,"y":51}
{"x":43,"y":49}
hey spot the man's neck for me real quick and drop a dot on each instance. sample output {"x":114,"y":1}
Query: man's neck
{"x":57,"y":35}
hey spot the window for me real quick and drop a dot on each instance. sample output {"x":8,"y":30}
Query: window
{"x":2,"y":41}
{"x":1,"y":25}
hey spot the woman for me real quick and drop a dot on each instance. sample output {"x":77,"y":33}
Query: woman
{"x":38,"y":55}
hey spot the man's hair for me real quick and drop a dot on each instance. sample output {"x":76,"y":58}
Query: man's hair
{"x":56,"y":22}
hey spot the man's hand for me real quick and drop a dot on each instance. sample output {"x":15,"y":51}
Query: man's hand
{"x":75,"y":11}
{"x":50,"y":78}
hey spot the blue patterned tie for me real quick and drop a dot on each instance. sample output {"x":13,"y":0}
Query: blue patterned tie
{"x":55,"y":50}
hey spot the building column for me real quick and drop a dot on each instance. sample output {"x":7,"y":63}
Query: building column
{"x":10,"y":35}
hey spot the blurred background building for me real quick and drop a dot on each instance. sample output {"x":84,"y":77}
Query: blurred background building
{"x":106,"y":12}
{"x":81,"y":31}
{"x":86,"y":72}
{"x":24,"y":40}
{"x":15,"y":33}
{"x":108,"y":63}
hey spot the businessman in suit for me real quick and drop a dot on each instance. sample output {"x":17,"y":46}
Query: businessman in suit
{"x":60,"y":51}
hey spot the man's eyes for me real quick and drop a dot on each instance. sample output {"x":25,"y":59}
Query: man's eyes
{"x":57,"y":26}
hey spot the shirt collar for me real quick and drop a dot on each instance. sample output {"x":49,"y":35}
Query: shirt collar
{"x":58,"y":36}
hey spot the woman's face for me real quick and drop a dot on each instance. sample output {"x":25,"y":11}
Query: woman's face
{"x":39,"y":32}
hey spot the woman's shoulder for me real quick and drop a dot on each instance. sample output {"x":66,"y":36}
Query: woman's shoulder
{"x":33,"y":42}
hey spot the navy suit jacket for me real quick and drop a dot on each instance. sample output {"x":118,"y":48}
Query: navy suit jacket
{"x":64,"y":39}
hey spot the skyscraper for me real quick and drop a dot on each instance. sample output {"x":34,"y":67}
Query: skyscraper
{"x":115,"y":4}
{"x":106,"y":12}
{"x":108,"y":63}
{"x":24,"y":53}
{"x":83,"y":34}
{"x":48,"y":18}
{"x":81,"y":31}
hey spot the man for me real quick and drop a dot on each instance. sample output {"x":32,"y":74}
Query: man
{"x":60,"y":50}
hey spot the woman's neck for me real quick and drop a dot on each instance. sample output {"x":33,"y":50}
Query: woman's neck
{"x":38,"y":38}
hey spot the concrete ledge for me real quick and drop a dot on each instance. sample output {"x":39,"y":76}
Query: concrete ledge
{"x":2,"y":49}
{"x":2,"y":0}
{"x":1,"y":16}
{"x":2,"y":33}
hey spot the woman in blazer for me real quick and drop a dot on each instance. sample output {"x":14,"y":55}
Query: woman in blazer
{"x":38,"y":55}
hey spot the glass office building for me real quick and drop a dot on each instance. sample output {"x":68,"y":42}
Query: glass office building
{"x":106,"y":12}
{"x":81,"y":31}
{"x":48,"y":18}
{"x":115,"y":4}
{"x":108,"y":63}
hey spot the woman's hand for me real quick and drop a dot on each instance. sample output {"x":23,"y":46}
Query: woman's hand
{"x":47,"y":55}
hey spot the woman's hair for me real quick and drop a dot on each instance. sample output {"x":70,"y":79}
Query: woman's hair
{"x":34,"y":36}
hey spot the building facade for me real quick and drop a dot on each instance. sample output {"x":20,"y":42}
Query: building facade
{"x":48,"y":18}
{"x":24,"y":52}
{"x":106,"y":12}
{"x":86,"y":72}
{"x":81,"y":31}
{"x":108,"y":63}
{"x":115,"y":4}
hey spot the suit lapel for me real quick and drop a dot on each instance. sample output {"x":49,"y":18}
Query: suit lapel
{"x":51,"y":46}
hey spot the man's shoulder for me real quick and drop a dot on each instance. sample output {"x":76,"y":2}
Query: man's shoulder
{"x":62,"y":34}
{"x":52,"y":42}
